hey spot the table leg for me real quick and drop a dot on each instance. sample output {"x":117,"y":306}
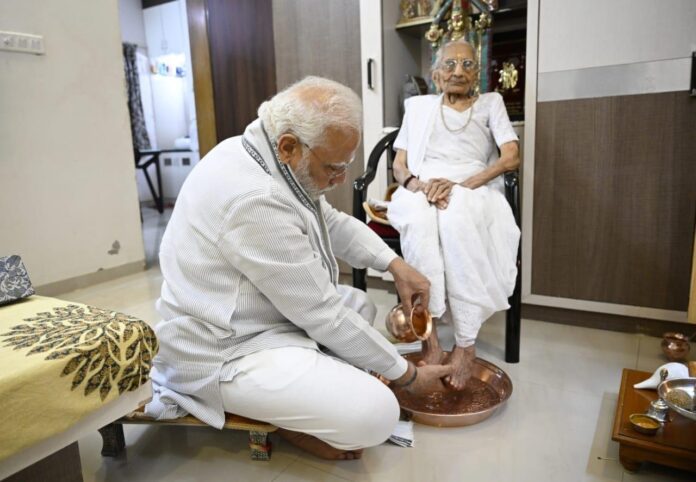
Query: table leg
{"x":629,"y":463}
{"x":160,"y":199}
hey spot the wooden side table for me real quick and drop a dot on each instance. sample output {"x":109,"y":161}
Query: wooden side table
{"x":674,"y":444}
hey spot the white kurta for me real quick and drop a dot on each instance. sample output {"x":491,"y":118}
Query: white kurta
{"x":468,"y":250}
{"x":248,"y":265}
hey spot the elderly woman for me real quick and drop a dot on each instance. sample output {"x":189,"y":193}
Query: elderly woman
{"x":455,"y":224}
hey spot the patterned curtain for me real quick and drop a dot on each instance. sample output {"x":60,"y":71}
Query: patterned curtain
{"x":141,"y":140}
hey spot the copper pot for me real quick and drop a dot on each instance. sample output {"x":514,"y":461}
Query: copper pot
{"x":417,"y":326}
{"x":675,"y":346}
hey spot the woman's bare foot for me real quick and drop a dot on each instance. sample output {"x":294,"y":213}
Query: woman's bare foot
{"x":463,"y":360}
{"x":317,"y":447}
{"x":432,"y":353}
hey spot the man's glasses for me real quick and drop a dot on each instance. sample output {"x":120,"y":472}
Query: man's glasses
{"x":334,"y":171}
{"x":450,"y":65}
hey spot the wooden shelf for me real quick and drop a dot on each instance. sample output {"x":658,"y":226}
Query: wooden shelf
{"x":415,"y":27}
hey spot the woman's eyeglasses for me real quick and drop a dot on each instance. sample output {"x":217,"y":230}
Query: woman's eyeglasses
{"x":450,"y":65}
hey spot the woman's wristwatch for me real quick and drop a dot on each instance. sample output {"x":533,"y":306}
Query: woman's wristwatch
{"x":408,"y":179}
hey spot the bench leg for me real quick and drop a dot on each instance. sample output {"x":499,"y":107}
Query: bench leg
{"x":113,"y":440}
{"x":260,"y":446}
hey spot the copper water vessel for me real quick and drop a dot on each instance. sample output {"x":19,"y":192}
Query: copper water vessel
{"x":675,"y":346}
{"x":406,"y":329}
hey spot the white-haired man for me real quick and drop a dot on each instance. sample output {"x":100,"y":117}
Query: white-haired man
{"x":251,"y":289}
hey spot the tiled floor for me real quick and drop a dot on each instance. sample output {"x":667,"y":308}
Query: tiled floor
{"x":555,"y":427}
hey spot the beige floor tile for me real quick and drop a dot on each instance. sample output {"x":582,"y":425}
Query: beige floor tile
{"x":542,"y":434}
{"x":299,"y":472}
{"x":570,"y":358}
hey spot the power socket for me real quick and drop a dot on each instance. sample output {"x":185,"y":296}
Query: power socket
{"x":22,"y":43}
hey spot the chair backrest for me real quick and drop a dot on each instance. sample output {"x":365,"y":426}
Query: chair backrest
{"x":361,"y":183}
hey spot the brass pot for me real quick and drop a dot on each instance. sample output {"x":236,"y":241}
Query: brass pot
{"x":675,"y":346}
{"x":417,"y":326}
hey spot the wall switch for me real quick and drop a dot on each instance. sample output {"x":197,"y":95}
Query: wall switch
{"x":22,"y":43}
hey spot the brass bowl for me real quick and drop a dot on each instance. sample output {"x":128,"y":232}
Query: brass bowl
{"x":680,"y":395}
{"x":675,"y":346}
{"x":490,"y":391}
{"x":417,"y":326}
{"x":643,"y":423}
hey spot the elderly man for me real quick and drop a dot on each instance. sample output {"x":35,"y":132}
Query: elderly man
{"x":251,"y":290}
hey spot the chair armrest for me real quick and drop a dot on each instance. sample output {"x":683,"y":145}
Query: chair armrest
{"x":361,"y":183}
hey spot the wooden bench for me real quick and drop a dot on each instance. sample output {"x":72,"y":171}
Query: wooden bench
{"x":260,"y":446}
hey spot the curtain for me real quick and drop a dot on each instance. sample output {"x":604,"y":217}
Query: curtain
{"x":141,"y":140}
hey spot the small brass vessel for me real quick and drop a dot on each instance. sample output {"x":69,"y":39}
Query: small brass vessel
{"x":407,"y":329}
{"x":645,"y":424}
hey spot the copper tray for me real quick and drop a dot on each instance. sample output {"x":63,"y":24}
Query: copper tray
{"x":488,"y":389}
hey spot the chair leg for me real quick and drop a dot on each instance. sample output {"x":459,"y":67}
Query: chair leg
{"x":360,"y":279}
{"x":260,"y":446}
{"x":513,"y":323}
{"x":113,"y":440}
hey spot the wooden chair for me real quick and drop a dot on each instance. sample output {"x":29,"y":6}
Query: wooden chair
{"x":391,"y":236}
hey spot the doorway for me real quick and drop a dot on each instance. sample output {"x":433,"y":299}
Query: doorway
{"x":165,"y":135}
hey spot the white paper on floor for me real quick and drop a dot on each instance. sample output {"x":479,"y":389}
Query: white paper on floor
{"x":403,"y":434}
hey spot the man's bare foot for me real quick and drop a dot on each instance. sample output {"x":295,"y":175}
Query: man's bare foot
{"x":463,"y":360}
{"x":432,"y":353}
{"x":317,"y":447}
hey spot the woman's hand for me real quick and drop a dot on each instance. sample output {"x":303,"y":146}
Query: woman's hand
{"x":438,"y":191}
{"x":474,"y":182}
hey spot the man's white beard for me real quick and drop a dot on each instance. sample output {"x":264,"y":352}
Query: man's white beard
{"x":305,"y":179}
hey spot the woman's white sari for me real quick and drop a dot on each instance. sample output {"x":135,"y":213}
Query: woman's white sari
{"x":468,"y":250}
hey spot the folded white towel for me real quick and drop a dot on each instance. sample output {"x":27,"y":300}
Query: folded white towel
{"x":403,"y":434}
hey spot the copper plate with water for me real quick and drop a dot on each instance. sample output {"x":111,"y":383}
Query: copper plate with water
{"x":488,"y":388}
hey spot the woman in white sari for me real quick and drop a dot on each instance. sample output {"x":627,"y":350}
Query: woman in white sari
{"x":455,"y":224}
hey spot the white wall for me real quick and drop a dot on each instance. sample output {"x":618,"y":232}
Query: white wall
{"x":593,"y":33}
{"x":67,"y":189}
{"x":595,"y":48}
{"x":130,"y":14}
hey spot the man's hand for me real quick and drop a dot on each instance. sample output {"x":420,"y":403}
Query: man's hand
{"x":410,"y":284}
{"x":429,"y":379}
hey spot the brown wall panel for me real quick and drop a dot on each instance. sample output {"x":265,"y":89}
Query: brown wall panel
{"x":240,"y":34}
{"x":615,"y":199}
{"x":202,"y":77}
{"x":316,"y":37}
